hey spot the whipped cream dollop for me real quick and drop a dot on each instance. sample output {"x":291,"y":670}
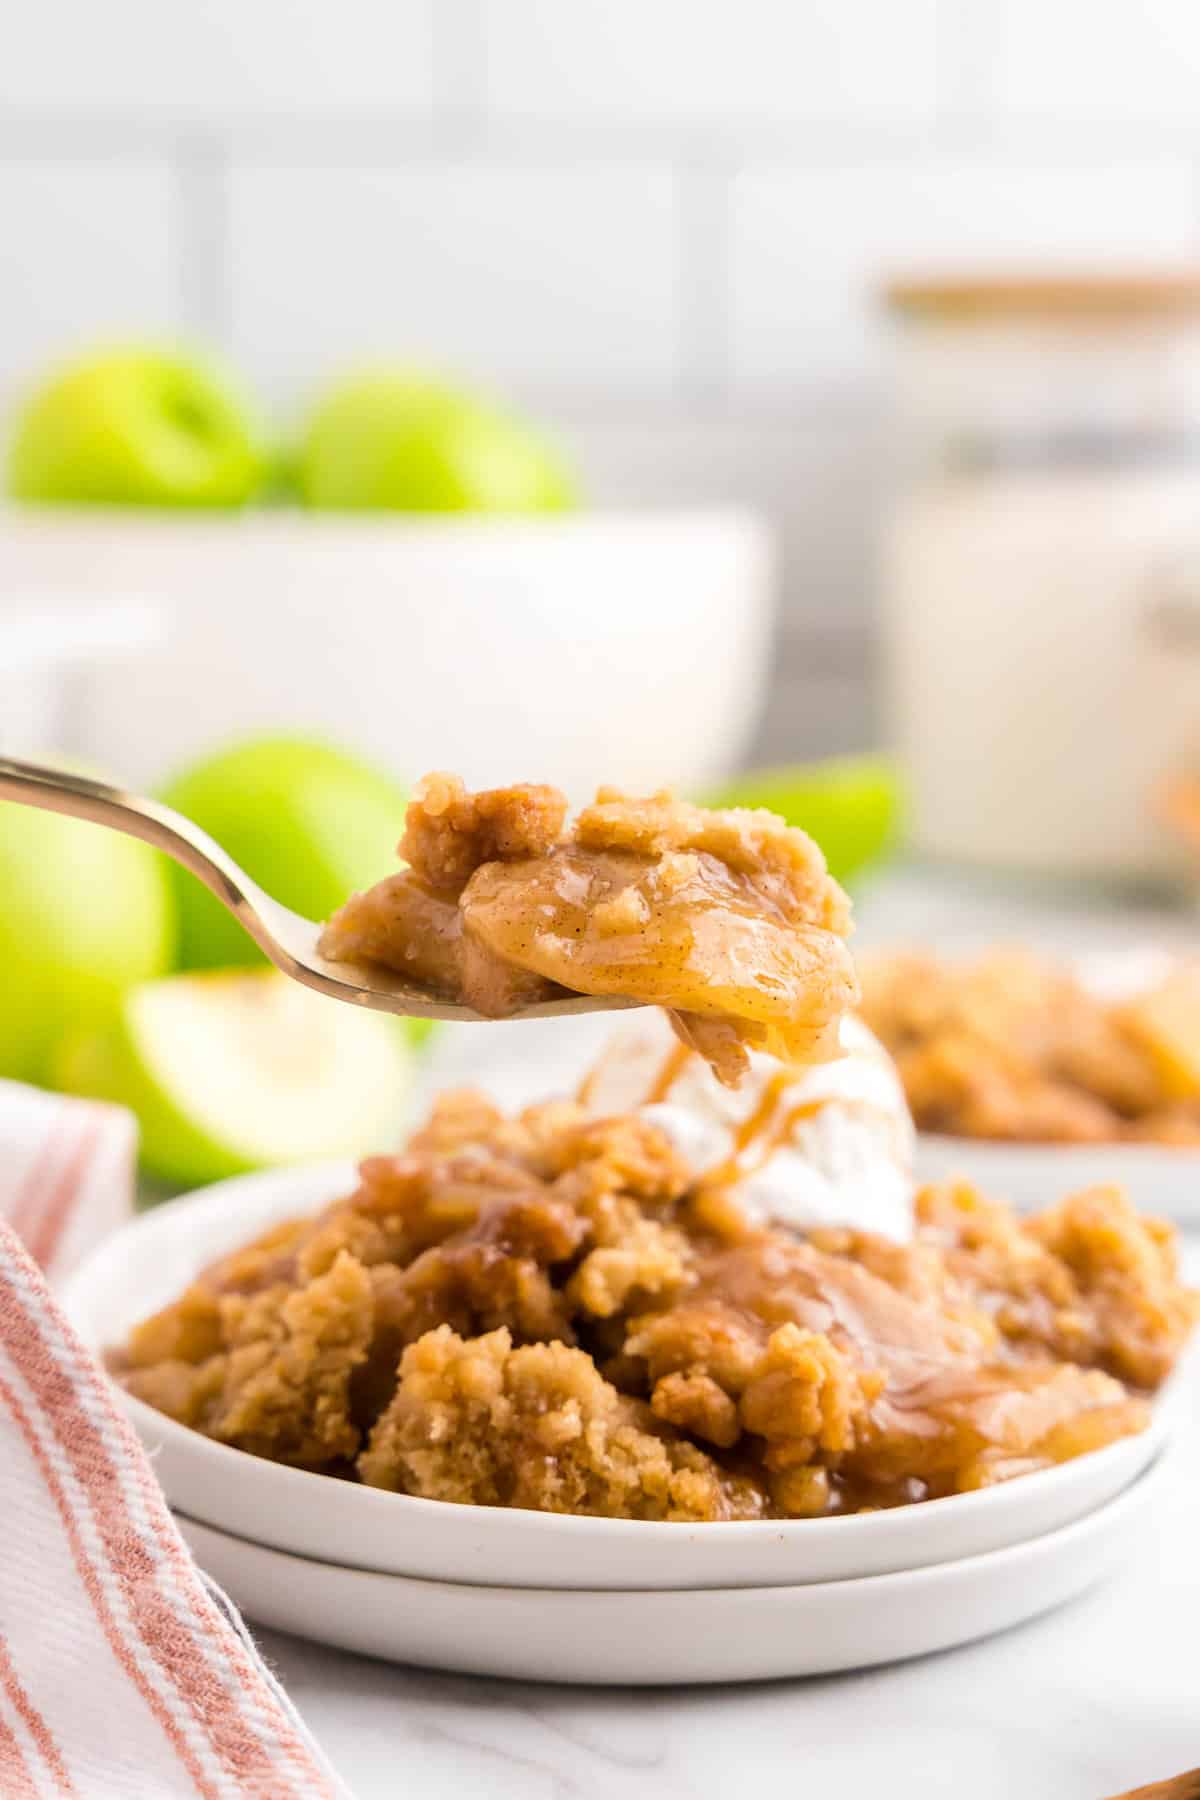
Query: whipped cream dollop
{"x":825,"y":1144}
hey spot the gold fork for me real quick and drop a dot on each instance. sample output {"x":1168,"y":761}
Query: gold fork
{"x":288,"y":939}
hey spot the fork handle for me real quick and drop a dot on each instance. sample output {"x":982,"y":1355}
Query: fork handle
{"x":83,"y":797}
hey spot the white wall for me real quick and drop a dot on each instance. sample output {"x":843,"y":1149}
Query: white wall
{"x":655,"y":220}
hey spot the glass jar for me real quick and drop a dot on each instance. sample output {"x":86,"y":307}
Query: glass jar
{"x":1041,"y":571}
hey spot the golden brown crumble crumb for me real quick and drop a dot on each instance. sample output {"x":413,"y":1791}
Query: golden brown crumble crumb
{"x":537,"y":1426}
{"x":1091,"y":1280}
{"x":730,"y":920}
{"x":805,"y":1395}
{"x":696,"y":1403}
{"x":449,"y":832}
{"x":538,"y":1311}
{"x":279,"y":1383}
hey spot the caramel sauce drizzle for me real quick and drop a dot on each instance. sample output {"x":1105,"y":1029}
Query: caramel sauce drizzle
{"x":673,"y":1065}
{"x":767,"y":1128}
{"x":770,"y":1124}
{"x":585,"y":1092}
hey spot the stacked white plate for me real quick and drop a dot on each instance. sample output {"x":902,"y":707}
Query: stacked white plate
{"x":544,"y":1597}
{"x":1158,"y":1178}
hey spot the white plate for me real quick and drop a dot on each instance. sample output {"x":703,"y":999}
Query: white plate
{"x":149,"y":1261}
{"x":643,"y":1638}
{"x":1033,"y":1176}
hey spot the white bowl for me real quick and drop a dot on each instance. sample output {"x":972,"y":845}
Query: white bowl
{"x":49,"y":661}
{"x":1033,"y":1176}
{"x":147,"y":1263}
{"x":621,"y":647}
{"x":643,"y":1638}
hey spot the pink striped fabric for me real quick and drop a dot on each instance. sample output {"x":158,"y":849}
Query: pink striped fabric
{"x":66,"y":1173}
{"x":123,"y":1672}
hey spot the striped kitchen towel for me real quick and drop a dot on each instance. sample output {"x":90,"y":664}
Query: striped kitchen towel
{"x":123,"y":1673}
{"x":66,"y":1173}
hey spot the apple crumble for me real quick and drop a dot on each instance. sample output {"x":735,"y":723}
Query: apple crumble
{"x":547,"y":1312}
{"x":1011,"y":1046}
{"x":729,"y":920}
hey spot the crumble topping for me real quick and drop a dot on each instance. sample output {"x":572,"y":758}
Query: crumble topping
{"x":540,"y":1311}
{"x":1012,"y":1046}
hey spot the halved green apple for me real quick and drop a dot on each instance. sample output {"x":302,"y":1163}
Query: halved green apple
{"x":238,"y":1070}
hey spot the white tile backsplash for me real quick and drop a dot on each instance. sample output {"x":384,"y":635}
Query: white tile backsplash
{"x":809,"y":245}
{"x":657,"y":224}
{"x":817,"y":471}
{"x":1101,"y":61}
{"x":87,"y":251}
{"x":537,"y":277}
{"x":218,"y":61}
{"x":676,"y":62}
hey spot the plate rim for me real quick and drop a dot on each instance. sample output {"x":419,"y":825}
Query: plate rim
{"x":1137,"y":1492}
{"x":1171,"y":1155}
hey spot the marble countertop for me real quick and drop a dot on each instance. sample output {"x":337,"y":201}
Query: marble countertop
{"x":1098,"y":1697}
{"x":1101,"y":1696}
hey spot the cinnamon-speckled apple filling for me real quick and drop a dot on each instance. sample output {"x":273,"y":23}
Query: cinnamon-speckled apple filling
{"x":729,"y":920}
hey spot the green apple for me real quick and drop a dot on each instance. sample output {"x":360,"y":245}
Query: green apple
{"x":309,"y":822}
{"x":243,"y":1069}
{"x":84,"y":913}
{"x":138,"y":426}
{"x":851,"y":805}
{"x":388,"y":440}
